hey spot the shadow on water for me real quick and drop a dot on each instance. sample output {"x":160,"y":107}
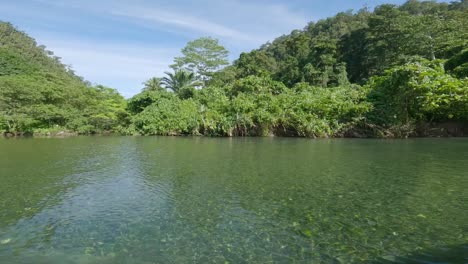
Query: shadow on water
{"x":446,"y":255}
{"x":53,"y":193}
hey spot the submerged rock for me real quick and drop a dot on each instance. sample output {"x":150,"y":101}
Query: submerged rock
{"x":5,"y":241}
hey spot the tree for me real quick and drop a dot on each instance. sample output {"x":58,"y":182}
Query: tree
{"x":169,"y":116}
{"x":419,"y":91}
{"x":179,"y":80}
{"x":305,"y":83}
{"x":203,"y":57}
{"x":257,"y":63}
{"x":153,"y":84}
{"x":39,"y":93}
{"x":139,"y":102}
{"x":458,"y":64}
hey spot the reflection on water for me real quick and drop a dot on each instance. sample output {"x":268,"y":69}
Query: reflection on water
{"x":202,"y":200}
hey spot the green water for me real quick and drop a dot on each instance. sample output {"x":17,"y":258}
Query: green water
{"x":255,"y":200}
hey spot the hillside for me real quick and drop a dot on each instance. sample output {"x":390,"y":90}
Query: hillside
{"x":40,"y":94}
{"x":364,"y":44}
{"x":396,"y":71}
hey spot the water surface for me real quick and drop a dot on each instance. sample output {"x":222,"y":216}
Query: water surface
{"x":242,"y":200}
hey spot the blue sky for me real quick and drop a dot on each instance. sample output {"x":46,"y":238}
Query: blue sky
{"x":122,"y":43}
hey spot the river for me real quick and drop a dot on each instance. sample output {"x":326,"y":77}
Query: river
{"x":232,"y":200}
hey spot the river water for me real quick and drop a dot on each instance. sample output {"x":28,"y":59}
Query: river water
{"x":233,"y":200}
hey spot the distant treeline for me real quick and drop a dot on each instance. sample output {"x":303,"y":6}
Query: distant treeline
{"x":396,"y":71}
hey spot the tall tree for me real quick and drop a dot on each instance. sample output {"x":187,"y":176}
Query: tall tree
{"x":203,"y":57}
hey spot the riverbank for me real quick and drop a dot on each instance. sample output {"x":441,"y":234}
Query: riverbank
{"x":439,"y":130}
{"x":45,"y":132}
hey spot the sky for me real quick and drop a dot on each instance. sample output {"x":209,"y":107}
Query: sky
{"x":122,"y":43}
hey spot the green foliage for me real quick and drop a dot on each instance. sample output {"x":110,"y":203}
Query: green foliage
{"x":181,"y":82}
{"x":355,"y":46}
{"x":106,"y":110}
{"x":305,"y":83}
{"x":203,"y":57}
{"x":256,"y":106}
{"x":214,"y":108}
{"x":257,"y":63}
{"x":458,"y":64}
{"x":221,"y":78}
{"x":382,"y":72}
{"x":153,"y":84}
{"x":12,"y":63}
{"x":37,"y":92}
{"x":322,"y":112}
{"x":257,"y":85}
{"x":417,"y":92}
{"x":168,"y":116}
{"x":139,"y":102}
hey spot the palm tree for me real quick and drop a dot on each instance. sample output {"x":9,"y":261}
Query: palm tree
{"x":153,"y":84}
{"x":178,"y":80}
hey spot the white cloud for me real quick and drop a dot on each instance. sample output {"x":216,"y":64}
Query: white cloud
{"x":183,"y":21}
{"x":246,"y":23}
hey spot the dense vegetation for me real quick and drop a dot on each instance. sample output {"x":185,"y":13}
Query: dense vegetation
{"x":38,"y":94}
{"x":396,"y":71}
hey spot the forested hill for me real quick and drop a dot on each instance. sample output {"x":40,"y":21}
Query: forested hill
{"x":39,"y":93}
{"x":355,"y":46}
{"x":395,"y":71}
